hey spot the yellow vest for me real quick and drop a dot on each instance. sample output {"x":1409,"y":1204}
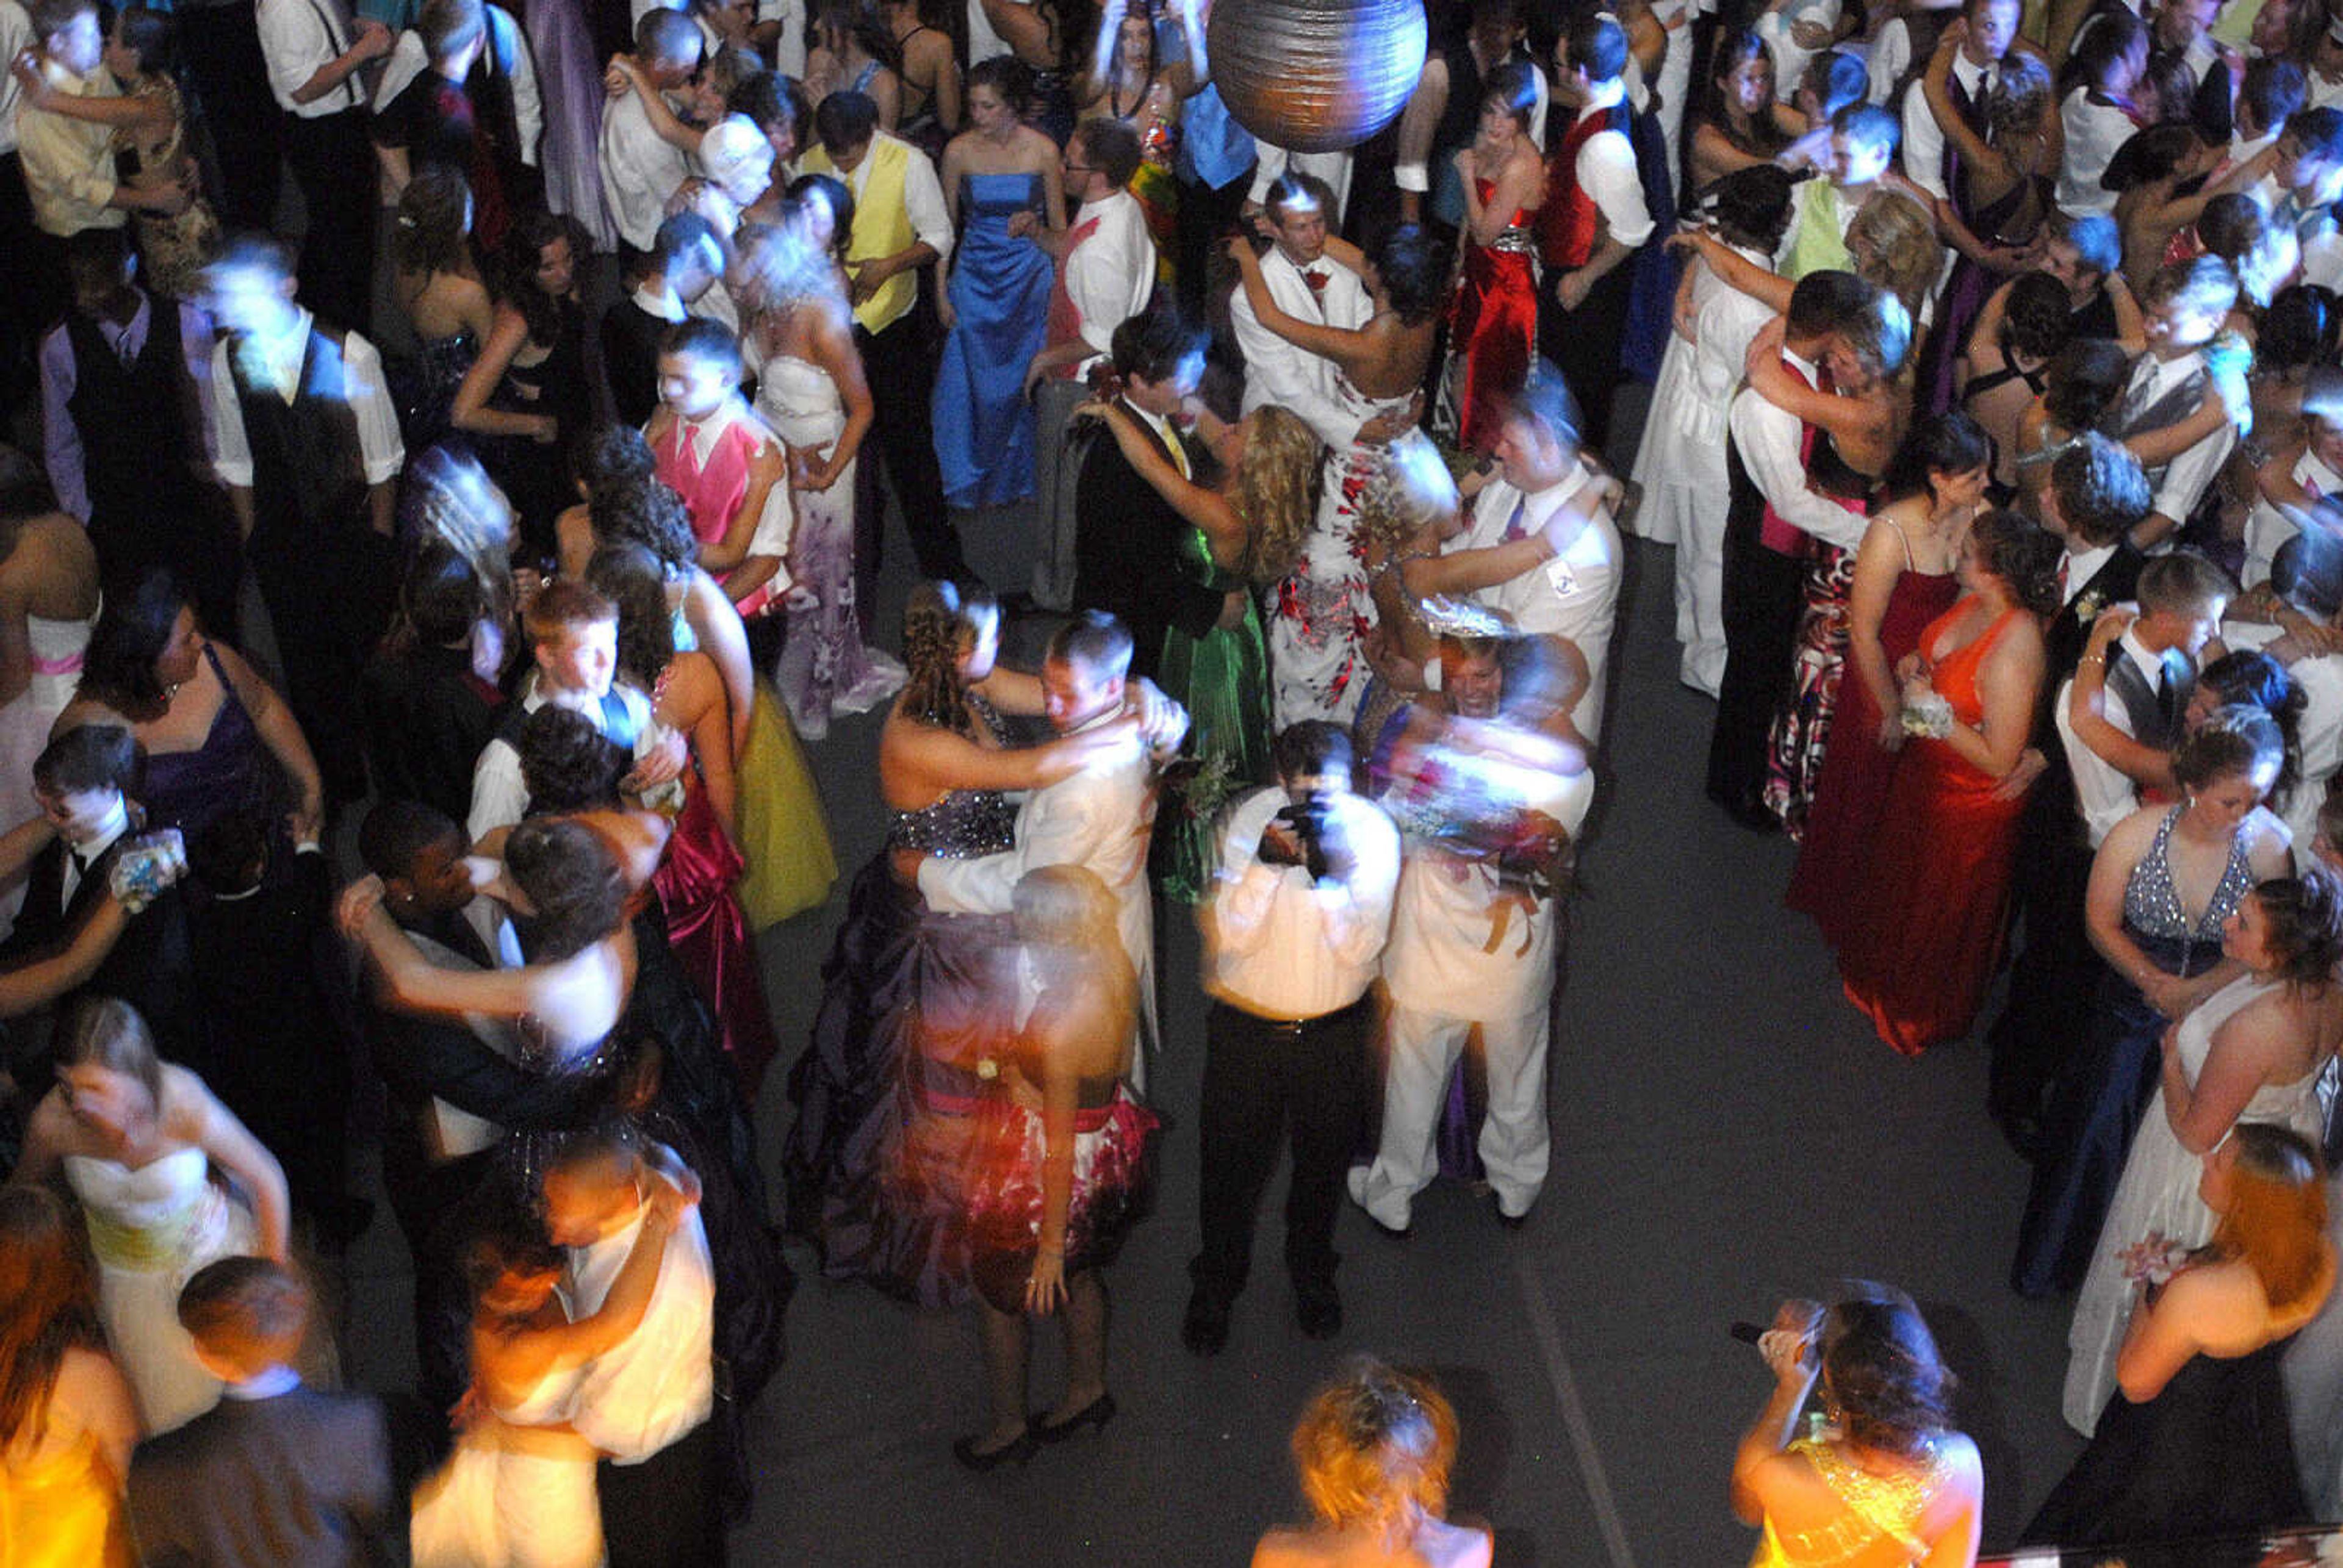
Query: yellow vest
{"x":882,"y":225}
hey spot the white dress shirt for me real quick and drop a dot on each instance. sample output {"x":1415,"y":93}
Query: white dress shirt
{"x":1098,"y":819}
{"x":85,"y":853}
{"x":500,"y":791}
{"x":1605,"y":168}
{"x":298,"y":37}
{"x":658,"y":1383}
{"x":2082,"y":566}
{"x":69,"y":164}
{"x":2105,"y":794}
{"x":639,"y":170}
{"x":1574,"y":596}
{"x":1111,"y":275}
{"x":790,"y":48}
{"x":380,"y":451}
{"x":1890,"y":57}
{"x":61,"y":443}
{"x":1790,"y":57}
{"x":2094,"y":132}
{"x":1768,"y":438}
{"x":983,"y":43}
{"x":511,"y":45}
{"x":2180,"y":483}
{"x":1923,"y":139}
{"x":1278,"y":944}
{"x":1280,"y":372}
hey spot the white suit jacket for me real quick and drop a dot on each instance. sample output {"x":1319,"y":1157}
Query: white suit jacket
{"x":1278,"y":372}
{"x":1100,"y":819}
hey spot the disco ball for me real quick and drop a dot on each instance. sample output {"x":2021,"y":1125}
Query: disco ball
{"x":1316,"y":75}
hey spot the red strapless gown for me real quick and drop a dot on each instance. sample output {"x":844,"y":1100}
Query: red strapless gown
{"x":1492,"y":324}
{"x":1855,"y":773}
{"x":710,"y":934}
{"x":1926,"y":924}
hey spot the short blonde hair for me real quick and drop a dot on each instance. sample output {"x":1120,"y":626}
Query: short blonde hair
{"x":1372,"y":1443}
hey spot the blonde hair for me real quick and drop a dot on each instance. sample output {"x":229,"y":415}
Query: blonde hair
{"x":1375,"y":1446}
{"x":1276,"y":490}
{"x":1903,"y":242}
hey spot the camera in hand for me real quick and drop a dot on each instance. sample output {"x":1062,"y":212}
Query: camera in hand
{"x":1306,"y":819}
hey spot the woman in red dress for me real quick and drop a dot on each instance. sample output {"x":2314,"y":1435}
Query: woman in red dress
{"x":1902,"y":578}
{"x":1925,"y":927}
{"x":1492,"y":324}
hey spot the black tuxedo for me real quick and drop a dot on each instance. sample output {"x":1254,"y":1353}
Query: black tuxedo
{"x":2055,"y":974}
{"x":630,"y":340}
{"x":1127,"y":541}
{"x":152,"y":966}
{"x":300,"y":1478}
{"x":1764,"y":597}
{"x":427,"y":717}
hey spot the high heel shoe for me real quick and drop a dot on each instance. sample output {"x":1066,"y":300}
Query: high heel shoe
{"x":1096,"y":1414}
{"x":1016,"y":1452}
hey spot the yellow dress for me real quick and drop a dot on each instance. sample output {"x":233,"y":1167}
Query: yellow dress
{"x":62,"y":1512}
{"x":783,"y":835}
{"x":1881,"y":1511}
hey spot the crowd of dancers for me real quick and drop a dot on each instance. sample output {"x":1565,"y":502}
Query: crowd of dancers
{"x":448,"y":427}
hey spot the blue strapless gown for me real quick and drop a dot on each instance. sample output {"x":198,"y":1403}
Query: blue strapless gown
{"x":1001,"y":289}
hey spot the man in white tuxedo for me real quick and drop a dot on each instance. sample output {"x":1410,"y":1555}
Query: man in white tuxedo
{"x":1539,"y":546}
{"x":1310,"y":285}
{"x":1098,"y":819}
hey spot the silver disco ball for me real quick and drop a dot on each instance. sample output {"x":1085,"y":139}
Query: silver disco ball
{"x":1316,"y":75}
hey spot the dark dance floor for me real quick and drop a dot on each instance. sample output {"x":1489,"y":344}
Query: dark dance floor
{"x":1726,"y":1132}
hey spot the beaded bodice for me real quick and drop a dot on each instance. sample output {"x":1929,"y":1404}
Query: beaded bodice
{"x":2152,"y":904}
{"x":1879,"y":1507}
{"x":965,"y":824}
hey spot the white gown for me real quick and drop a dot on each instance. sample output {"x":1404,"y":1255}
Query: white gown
{"x":1319,"y":615}
{"x":150,"y":1229}
{"x":490,"y":1507}
{"x":825,"y":667}
{"x":2157,"y":1195}
{"x":57,"y":649}
{"x":1681,"y":464}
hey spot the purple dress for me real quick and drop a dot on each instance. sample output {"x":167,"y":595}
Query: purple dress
{"x":232,"y":769}
{"x":569,"y":77}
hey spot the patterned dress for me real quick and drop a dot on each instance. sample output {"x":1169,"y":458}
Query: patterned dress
{"x":1801,"y":730}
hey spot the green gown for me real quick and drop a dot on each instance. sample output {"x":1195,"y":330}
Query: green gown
{"x":1223,"y":678}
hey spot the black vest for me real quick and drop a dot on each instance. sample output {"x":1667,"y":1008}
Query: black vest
{"x":132,"y":419}
{"x":2150,"y":724}
{"x":308,"y":469}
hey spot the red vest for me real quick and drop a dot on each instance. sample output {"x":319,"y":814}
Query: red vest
{"x":1569,"y":219}
{"x":1065,"y":321}
{"x":712,"y":494}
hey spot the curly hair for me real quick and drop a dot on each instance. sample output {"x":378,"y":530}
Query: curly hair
{"x":435,"y":223}
{"x":633,"y":578}
{"x":607,"y":453}
{"x":570,"y":874}
{"x":567,"y":764}
{"x":2023,"y":553}
{"x":2306,"y":926}
{"x":1276,"y":490}
{"x":1893,"y":1392}
{"x":49,"y":1305}
{"x":2020,"y":98}
{"x":1374,"y":1445}
{"x":644,"y":511}
{"x":2276,"y":1223}
{"x":941,"y":623}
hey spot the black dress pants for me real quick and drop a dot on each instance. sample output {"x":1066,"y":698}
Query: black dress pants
{"x":332,"y":160}
{"x":31,"y":293}
{"x":1264,"y":1077}
{"x":663,"y":1512}
{"x":221,"y":47}
{"x":901,"y":370}
{"x":1584,"y":346}
{"x":1764,"y":594}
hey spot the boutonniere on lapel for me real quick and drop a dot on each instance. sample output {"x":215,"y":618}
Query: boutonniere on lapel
{"x":2088,"y":608}
{"x":1316,"y":277}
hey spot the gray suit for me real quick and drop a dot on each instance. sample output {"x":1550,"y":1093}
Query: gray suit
{"x":302,"y":1480}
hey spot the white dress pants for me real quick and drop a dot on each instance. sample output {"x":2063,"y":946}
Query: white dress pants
{"x":1514,"y":1142}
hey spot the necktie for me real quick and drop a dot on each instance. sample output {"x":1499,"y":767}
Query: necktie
{"x":76,"y":868}
{"x":2064,"y":563}
{"x":2165,"y":693}
{"x":1514,"y":525}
